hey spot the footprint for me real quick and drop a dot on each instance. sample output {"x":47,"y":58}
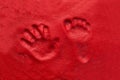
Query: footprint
{"x":37,"y":40}
{"x":78,"y":30}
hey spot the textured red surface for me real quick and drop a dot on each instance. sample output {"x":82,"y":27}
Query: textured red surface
{"x":104,"y":17}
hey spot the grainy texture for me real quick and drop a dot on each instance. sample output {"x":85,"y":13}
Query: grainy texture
{"x":15,"y":15}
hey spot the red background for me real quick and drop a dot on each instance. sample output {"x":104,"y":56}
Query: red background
{"x":104,"y":17}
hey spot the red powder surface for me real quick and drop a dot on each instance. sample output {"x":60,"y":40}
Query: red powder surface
{"x":17,"y":64}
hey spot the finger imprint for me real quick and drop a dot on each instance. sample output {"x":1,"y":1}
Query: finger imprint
{"x":41,"y":27}
{"x":37,"y":27}
{"x":35,"y":32}
{"x":28,"y":35}
{"x":25,"y":43}
{"x":46,"y":32}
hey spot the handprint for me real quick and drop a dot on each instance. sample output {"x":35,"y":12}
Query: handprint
{"x":37,"y":40}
